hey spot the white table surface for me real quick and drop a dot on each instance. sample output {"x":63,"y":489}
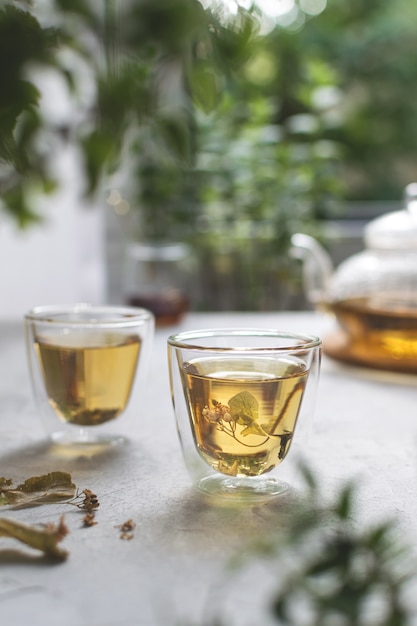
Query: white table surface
{"x":365,"y":427}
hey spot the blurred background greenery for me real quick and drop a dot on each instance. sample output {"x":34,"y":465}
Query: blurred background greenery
{"x":228,"y":126}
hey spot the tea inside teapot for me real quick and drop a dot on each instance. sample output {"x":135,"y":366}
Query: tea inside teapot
{"x":378,"y":331}
{"x":373,"y":294}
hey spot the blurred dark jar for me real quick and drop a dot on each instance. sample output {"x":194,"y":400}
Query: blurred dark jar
{"x":155,"y":277}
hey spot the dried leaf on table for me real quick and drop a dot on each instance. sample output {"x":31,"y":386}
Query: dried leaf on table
{"x":52,"y":487}
{"x":44,"y":538}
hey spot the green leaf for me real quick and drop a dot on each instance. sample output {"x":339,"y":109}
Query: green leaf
{"x":52,"y":487}
{"x":244,"y":407}
{"x":175,"y":133}
{"x":379,"y":537}
{"x":98,"y":151}
{"x":8,"y":149}
{"x":344,"y":504}
{"x":15,"y":203}
{"x":46,"y":481}
{"x":205,"y":87}
{"x":254,"y":429}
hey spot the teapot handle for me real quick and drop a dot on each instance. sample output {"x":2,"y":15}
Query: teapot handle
{"x":317,"y":266}
{"x":410,"y":199}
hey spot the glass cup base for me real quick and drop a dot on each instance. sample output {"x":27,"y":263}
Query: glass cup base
{"x":84,"y":438}
{"x":242,"y":489}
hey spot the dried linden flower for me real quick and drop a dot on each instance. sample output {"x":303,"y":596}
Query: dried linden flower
{"x":89,"y":520}
{"x":126,"y":530}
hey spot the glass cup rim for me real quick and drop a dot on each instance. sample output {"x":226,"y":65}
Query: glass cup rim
{"x":111,"y":315}
{"x":296,"y":341}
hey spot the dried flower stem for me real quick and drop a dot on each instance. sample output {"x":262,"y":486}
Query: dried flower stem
{"x":85,"y":499}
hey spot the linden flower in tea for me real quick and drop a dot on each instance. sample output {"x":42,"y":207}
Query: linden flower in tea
{"x":244,"y":433}
{"x":218,"y":414}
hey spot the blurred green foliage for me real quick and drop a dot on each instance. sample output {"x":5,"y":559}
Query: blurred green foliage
{"x":325,"y":568}
{"x":215,"y":119}
{"x":369,"y":48}
{"x":22,"y":42}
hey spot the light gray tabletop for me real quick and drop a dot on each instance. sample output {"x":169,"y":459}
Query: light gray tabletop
{"x":365,"y":427}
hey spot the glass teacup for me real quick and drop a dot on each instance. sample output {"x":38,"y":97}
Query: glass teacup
{"x":87,"y":365}
{"x":239,"y":395}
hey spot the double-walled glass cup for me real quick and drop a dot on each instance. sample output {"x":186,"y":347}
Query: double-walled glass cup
{"x":87,"y":365}
{"x":239,"y":396}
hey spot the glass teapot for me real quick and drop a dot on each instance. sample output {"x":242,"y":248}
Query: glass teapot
{"x":373,"y":294}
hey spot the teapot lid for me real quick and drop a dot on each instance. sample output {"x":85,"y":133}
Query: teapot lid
{"x":396,"y":230}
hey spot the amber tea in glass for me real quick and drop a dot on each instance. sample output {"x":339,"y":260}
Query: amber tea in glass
{"x":85,"y":363}
{"x":243,"y":393}
{"x":89,"y":381}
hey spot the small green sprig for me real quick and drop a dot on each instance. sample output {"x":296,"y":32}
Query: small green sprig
{"x":329,"y":569}
{"x":242,"y":409}
{"x":351,"y":573}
